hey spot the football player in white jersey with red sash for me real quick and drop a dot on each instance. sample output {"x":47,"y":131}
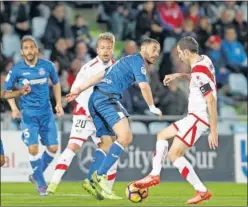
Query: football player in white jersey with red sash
{"x":83,"y":126}
{"x":202,"y":117}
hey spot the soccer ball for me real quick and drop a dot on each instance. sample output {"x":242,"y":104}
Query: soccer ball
{"x":134,"y":194}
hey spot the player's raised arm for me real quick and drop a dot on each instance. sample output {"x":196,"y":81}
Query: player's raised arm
{"x":91,"y":82}
{"x":171,"y":77}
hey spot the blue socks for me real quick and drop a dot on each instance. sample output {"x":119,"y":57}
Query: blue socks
{"x":47,"y":158}
{"x":113,"y":155}
{"x":96,"y":161}
{"x":37,"y":166}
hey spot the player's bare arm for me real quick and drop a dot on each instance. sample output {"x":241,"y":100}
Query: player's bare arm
{"x":87,"y":84}
{"x":15,"y":111}
{"x":57,"y":93}
{"x":171,"y":77}
{"x":13,"y":94}
{"x":147,"y":95}
{"x":212,"y":110}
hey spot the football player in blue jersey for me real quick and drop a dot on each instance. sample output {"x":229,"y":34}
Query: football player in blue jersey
{"x":36,"y":111}
{"x":109,"y":116}
{"x":11,"y":94}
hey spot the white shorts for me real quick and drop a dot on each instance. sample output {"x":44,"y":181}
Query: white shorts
{"x":190,"y":128}
{"x":83,"y":128}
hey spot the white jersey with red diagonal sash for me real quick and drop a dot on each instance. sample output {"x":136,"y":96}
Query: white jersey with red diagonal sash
{"x":202,"y":83}
{"x":82,"y":126}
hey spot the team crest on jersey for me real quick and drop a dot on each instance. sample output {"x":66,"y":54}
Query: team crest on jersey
{"x":42,"y":71}
{"x":143,"y":70}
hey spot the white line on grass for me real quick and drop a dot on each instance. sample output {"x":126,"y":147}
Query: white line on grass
{"x":58,"y":194}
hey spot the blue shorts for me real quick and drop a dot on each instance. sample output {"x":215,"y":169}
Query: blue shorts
{"x":1,"y":151}
{"x":43,"y":125}
{"x":105,"y":110}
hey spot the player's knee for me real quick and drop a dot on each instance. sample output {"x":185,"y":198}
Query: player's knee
{"x":174,"y":154}
{"x":2,"y":160}
{"x":33,"y":150}
{"x":73,"y":147}
{"x":126,"y":139}
{"x":160,"y":135}
{"x":106,"y":143}
{"x":53,"y":149}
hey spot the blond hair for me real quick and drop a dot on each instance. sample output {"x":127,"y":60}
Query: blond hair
{"x":106,"y":36}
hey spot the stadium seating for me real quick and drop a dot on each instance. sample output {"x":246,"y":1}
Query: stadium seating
{"x":38,"y":26}
{"x":224,"y":128}
{"x":138,"y":127}
{"x":237,"y":84}
{"x":155,"y":127}
{"x":228,"y":111}
{"x":67,"y":126}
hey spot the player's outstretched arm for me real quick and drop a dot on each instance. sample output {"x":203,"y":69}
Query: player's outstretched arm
{"x":13,"y":94}
{"x":171,"y":77}
{"x":147,"y":95}
{"x":87,"y":84}
{"x":212,"y":109}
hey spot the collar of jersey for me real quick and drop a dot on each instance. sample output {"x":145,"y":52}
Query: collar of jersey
{"x":202,"y":57}
{"x":38,"y":60}
{"x":100,"y":60}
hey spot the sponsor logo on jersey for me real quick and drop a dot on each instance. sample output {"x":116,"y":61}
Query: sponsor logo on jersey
{"x":42,"y":71}
{"x":26,"y":73}
{"x":38,"y":81}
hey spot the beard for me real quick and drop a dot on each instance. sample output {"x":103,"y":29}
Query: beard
{"x":149,"y":62}
{"x":30,"y":57}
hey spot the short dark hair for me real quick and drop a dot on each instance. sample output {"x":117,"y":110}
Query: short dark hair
{"x":58,"y":5}
{"x":229,"y":27}
{"x":149,"y":41}
{"x":188,"y":43}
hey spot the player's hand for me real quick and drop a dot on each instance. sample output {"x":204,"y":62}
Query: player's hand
{"x":25,"y":90}
{"x":59,"y":109}
{"x":73,"y":95}
{"x":169,"y":78}
{"x":16,"y":114}
{"x":213,"y":140}
{"x":156,"y":111}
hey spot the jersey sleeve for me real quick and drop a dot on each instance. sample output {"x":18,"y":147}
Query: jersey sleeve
{"x":202,"y":81}
{"x":10,"y":80}
{"x":82,"y":76}
{"x":53,"y":74}
{"x":139,"y":71}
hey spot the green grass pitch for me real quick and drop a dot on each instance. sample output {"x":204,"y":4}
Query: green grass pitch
{"x":166,"y":194}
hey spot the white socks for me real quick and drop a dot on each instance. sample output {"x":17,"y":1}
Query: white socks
{"x":183,"y":165}
{"x":159,"y":156}
{"x":187,"y":171}
{"x":64,"y":162}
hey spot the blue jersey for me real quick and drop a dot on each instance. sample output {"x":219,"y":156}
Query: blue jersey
{"x":125,"y":72}
{"x":38,"y":100}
